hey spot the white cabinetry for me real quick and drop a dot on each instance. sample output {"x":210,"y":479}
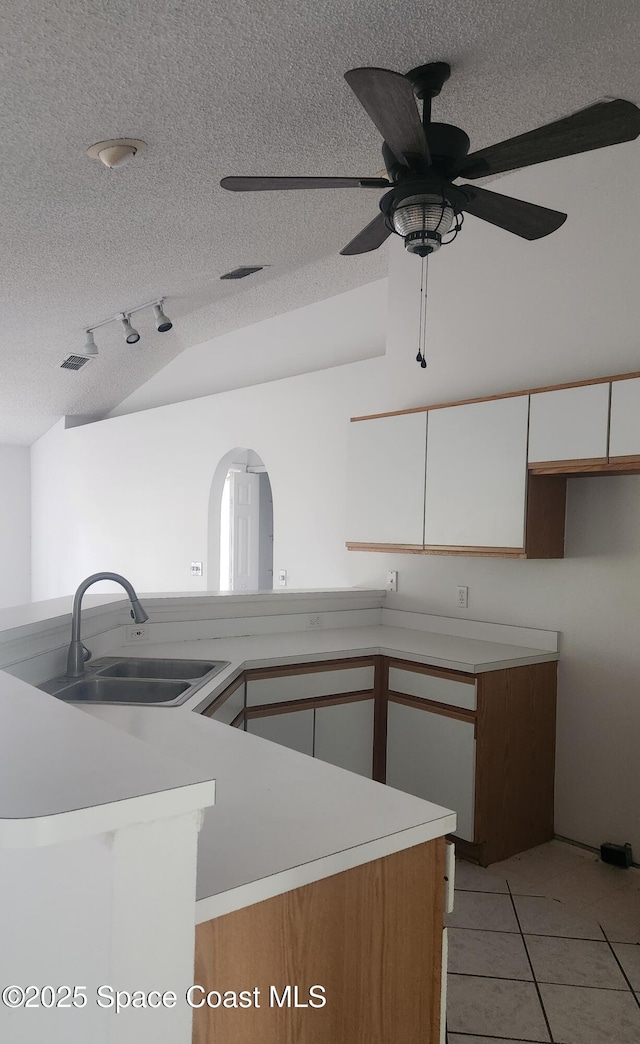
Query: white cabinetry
{"x":435,"y":687}
{"x":292,"y":729}
{"x":624,"y":439}
{"x":477,"y":474}
{"x":344,"y":735}
{"x":385,"y":493}
{"x":308,"y":685}
{"x":434,"y":757}
{"x":569,"y":424}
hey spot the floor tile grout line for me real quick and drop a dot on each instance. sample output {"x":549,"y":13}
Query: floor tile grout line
{"x":543,"y":982}
{"x":535,"y":981}
{"x":492,"y":1036}
{"x":619,"y":963}
{"x":538,"y":935}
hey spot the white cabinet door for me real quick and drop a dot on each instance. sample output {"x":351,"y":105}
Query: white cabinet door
{"x":294,"y":729}
{"x":344,"y":735}
{"x":308,"y":685}
{"x":477,"y":474}
{"x":385,"y":493}
{"x":624,"y":438}
{"x":569,"y":424}
{"x":433,"y":757}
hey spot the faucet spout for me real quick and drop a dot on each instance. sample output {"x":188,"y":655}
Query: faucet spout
{"x":78,"y":654}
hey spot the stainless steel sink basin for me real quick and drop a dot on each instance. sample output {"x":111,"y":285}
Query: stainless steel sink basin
{"x":132,"y":680}
{"x":138,"y":667}
{"x":97,"y":689}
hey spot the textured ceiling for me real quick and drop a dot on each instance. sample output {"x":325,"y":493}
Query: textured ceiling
{"x":231,"y":88}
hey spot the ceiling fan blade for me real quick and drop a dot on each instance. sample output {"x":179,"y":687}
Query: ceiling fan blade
{"x":524,"y":219}
{"x":278,"y":184}
{"x":388,"y":99}
{"x":370,"y":238}
{"x":605,"y":123}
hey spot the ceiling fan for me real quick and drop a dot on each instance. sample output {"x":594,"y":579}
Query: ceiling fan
{"x":423,"y":159}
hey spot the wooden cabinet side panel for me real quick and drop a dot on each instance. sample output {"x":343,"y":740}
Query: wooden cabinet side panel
{"x":515,"y":759}
{"x":372,"y":936}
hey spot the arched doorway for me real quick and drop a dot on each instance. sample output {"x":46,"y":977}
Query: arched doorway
{"x":240,"y":524}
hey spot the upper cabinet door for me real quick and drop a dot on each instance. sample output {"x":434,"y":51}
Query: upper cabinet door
{"x":624,"y":438}
{"x":477,"y":474}
{"x":386,"y":480}
{"x":569,"y":424}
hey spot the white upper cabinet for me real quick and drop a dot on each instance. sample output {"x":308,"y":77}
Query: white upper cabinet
{"x":569,"y":424}
{"x":624,"y":439}
{"x":386,"y":480}
{"x":477,"y":474}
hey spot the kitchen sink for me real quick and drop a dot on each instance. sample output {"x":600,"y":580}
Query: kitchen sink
{"x":99,"y":689}
{"x":135,"y":680}
{"x":138,"y":667}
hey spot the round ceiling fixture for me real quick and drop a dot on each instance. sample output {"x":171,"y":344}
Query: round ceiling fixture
{"x":116,"y":151}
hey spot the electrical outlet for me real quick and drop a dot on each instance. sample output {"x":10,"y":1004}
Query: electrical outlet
{"x":463,"y":598}
{"x":314,"y":622}
{"x":196,"y":569}
{"x":392,"y":580}
{"x":282,"y":577}
{"x":136,"y":633}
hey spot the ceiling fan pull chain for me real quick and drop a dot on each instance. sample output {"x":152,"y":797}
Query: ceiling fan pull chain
{"x":422,"y":324}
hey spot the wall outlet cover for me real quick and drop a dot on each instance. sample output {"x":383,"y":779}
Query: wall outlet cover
{"x":136,"y":633}
{"x":314,"y":622}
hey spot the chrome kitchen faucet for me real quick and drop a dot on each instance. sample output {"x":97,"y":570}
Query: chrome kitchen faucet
{"x":78,"y":654}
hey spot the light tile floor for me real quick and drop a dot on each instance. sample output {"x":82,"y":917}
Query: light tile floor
{"x":545,"y":948}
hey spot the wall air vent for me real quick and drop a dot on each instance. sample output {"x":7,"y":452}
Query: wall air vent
{"x":74,"y":362}
{"x":241,"y":273}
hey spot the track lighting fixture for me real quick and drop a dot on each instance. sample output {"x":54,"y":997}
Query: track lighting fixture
{"x":163,"y":323}
{"x":131,"y":336}
{"x":90,"y":346}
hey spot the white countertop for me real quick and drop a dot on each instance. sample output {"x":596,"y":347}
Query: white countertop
{"x":468,"y":655}
{"x":64,"y":775}
{"x":281,"y":819}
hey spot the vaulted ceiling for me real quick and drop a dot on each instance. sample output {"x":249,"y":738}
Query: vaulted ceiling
{"x":232,"y":88}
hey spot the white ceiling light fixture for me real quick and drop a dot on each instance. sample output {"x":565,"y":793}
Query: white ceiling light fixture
{"x":163,"y":322}
{"x":90,"y":346}
{"x":131,"y":336}
{"x":116,"y":152}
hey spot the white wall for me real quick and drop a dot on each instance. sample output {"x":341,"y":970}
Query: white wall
{"x":131,"y":493}
{"x":15,"y":526}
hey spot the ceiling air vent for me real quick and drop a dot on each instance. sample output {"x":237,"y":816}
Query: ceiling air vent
{"x":74,"y":362}
{"x":241,"y":273}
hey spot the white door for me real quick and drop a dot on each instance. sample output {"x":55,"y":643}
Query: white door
{"x":433,"y":757}
{"x":293,"y":729}
{"x":344,"y":736}
{"x":569,"y":424}
{"x":385,"y":492}
{"x":624,"y":439}
{"x":245,"y":530}
{"x":477,"y":474}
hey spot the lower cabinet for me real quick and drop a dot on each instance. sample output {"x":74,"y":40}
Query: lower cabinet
{"x":433,"y":756}
{"x":344,"y":735}
{"x":292,"y":729}
{"x":340,"y":733}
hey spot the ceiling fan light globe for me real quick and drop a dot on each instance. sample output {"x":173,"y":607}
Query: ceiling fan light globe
{"x":422,"y":221}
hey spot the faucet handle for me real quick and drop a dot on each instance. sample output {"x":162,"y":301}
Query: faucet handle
{"x":86,"y":653}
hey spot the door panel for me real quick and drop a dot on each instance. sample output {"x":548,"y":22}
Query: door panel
{"x":344,"y":735}
{"x":433,"y":757}
{"x":245,"y":531}
{"x":294,"y":730}
{"x":569,"y":424}
{"x":624,"y":439}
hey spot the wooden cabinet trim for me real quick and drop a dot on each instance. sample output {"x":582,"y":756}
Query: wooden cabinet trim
{"x":403,"y":549}
{"x":633,"y":458}
{"x":440,"y":549}
{"x":552,"y":467}
{"x":264,"y":710}
{"x":237,"y":721}
{"x":223,"y":697}
{"x":445,"y":709}
{"x":545,"y":516}
{"x":432,"y":672}
{"x":501,"y":395}
{"x":381,"y":686}
{"x":259,"y":673}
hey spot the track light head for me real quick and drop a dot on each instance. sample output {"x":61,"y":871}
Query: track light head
{"x":90,"y":346}
{"x":131,"y":336}
{"x":163,"y":322}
